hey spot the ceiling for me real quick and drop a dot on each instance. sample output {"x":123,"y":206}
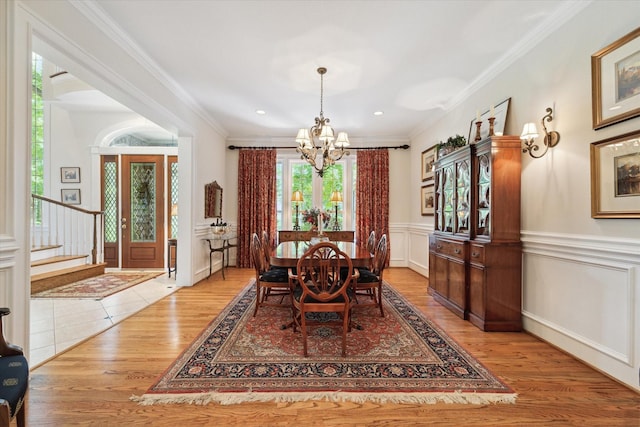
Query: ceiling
{"x":412,"y":60}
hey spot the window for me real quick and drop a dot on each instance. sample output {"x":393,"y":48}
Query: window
{"x":37,"y":133}
{"x":293,"y":174}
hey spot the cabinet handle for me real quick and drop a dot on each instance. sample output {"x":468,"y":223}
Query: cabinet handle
{"x":474,"y":254}
{"x":439,"y":246}
{"x":457,"y":251}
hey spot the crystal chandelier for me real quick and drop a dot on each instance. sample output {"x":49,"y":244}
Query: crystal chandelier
{"x":319,"y":139}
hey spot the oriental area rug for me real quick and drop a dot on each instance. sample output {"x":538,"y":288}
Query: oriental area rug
{"x":401,"y":358}
{"x":98,"y":287}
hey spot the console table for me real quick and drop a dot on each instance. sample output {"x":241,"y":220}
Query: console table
{"x":211,"y":239}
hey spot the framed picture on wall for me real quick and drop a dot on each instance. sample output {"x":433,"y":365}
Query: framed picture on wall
{"x":427,"y":199}
{"x":615,"y":177}
{"x":615,"y":81}
{"x":428,"y":159}
{"x":71,"y":196}
{"x":69,"y":175}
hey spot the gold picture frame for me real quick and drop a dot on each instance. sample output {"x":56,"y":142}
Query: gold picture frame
{"x":428,"y":159}
{"x":615,"y":90}
{"x":615,"y":177}
{"x":427,"y":200}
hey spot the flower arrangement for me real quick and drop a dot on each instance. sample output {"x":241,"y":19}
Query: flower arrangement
{"x":310,"y":216}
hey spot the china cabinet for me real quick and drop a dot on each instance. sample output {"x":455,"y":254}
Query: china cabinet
{"x":475,"y":253}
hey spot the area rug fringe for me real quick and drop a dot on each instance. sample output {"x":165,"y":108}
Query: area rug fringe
{"x":415,"y":398}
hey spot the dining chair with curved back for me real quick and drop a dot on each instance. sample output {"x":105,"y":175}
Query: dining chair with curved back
{"x":369,"y":282}
{"x":371,"y":241}
{"x":322,"y":290}
{"x":269,"y":283}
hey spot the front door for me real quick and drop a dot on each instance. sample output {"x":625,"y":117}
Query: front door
{"x":142,"y":213}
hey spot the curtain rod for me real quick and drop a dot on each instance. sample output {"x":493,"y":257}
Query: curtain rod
{"x":395,"y":147}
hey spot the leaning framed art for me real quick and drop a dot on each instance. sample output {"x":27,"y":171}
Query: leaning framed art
{"x":428,"y":159}
{"x":615,"y":81}
{"x":427,"y":199}
{"x":499,"y":111}
{"x":615,"y":177}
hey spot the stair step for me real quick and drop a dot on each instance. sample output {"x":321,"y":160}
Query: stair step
{"x":56,"y":262}
{"x":53,"y":279}
{"x":56,"y":259}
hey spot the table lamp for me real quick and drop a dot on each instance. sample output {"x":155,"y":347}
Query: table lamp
{"x":336,"y":197}
{"x":296,"y":198}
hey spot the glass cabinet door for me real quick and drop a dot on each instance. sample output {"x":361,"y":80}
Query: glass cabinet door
{"x":484,"y":195}
{"x":463,"y":196}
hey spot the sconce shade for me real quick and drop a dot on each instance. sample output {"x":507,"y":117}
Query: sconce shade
{"x":297,"y":196}
{"x":336,"y":196}
{"x":529,"y":131}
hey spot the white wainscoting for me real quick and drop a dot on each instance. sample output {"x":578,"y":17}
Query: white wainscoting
{"x":582,"y":294}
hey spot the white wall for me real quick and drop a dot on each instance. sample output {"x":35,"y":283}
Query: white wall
{"x":581,"y":288}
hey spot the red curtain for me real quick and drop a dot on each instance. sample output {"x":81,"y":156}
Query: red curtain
{"x":372,"y":194}
{"x":256,"y":199}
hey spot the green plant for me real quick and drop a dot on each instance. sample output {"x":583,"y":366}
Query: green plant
{"x":452,"y":143}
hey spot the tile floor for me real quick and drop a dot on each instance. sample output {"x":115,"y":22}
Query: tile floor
{"x":60,"y":323}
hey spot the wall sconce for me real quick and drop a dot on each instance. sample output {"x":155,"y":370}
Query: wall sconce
{"x":530,"y":133}
{"x":336,"y":197}
{"x":296,"y":198}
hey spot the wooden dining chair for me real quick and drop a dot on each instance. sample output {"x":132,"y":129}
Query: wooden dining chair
{"x":269,"y":283}
{"x":368,"y":284}
{"x":322,"y":290}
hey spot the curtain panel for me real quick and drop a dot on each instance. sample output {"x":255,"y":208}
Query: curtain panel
{"x":372,"y":193}
{"x":256,"y":199}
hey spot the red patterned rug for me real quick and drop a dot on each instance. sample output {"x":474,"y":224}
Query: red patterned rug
{"x":402,"y":358}
{"x":100,"y":286}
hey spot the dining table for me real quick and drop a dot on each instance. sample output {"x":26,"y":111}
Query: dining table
{"x":287,"y":254}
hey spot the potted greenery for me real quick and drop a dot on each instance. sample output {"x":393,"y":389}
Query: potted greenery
{"x":451,"y":144}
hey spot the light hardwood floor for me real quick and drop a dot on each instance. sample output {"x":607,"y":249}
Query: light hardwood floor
{"x":91,"y":383}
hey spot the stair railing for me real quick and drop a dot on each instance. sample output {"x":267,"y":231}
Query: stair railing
{"x":75,"y":230}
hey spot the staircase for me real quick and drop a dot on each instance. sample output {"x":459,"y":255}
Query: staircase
{"x":49,"y":270}
{"x":64,"y":244}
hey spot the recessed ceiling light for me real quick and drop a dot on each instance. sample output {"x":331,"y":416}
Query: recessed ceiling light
{"x":261,"y":112}
{"x":378,"y":113}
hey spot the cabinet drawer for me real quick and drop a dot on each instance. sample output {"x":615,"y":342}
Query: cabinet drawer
{"x":451,"y":249}
{"x":476,"y":254}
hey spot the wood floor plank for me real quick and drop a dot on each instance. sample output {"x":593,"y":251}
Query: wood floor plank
{"x":91,"y":384}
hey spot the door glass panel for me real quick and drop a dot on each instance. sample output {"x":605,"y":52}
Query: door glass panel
{"x":143,"y":202}
{"x":174,"y":200}
{"x":110,"y":202}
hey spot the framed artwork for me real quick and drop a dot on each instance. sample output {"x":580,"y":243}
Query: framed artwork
{"x":428,"y":159}
{"x":615,"y":81}
{"x":427,"y":200}
{"x":71,"y":196}
{"x":69,"y":175}
{"x":499,"y":112}
{"x":615,"y":177}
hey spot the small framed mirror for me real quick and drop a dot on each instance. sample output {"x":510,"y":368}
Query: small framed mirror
{"x":213,"y":200}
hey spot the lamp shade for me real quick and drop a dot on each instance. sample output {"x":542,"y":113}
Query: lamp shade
{"x":336,"y":196}
{"x":303,"y":138}
{"x":529,"y":131}
{"x":326,"y":134}
{"x":342,"y":140}
{"x":297,"y":196}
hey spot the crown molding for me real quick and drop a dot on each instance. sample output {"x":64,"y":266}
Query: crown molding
{"x":94,"y":13}
{"x":565,"y":12}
